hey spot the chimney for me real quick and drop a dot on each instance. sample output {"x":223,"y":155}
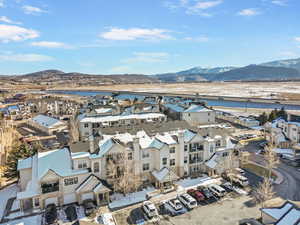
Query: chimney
{"x":92,"y":143}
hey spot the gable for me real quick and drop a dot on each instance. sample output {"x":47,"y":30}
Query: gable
{"x":88,"y":185}
{"x":197,"y":138}
{"x":49,"y":176}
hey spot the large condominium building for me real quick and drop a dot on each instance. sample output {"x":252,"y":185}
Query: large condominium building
{"x":62,"y":176}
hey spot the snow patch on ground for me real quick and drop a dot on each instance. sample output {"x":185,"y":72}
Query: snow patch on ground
{"x":5,"y":194}
{"x":119,"y":200}
{"x":33,"y":220}
{"x":193,"y":183}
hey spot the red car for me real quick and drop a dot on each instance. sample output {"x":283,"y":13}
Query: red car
{"x":196,"y":194}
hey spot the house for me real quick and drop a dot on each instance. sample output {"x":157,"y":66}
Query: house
{"x":197,"y":114}
{"x":286,"y":214}
{"x":47,"y":124}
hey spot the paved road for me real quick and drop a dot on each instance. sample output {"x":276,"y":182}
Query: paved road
{"x":290,"y":187}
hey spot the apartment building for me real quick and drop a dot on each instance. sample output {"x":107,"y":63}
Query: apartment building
{"x":159,"y":158}
{"x":47,"y":124}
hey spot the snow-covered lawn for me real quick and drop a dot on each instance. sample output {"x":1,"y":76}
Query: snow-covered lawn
{"x":33,"y":220}
{"x":119,"y":200}
{"x":5,"y":194}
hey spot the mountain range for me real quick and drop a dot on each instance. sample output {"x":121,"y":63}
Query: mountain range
{"x":275,"y":70}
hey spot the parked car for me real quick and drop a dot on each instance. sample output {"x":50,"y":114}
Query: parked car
{"x":106,"y":219}
{"x":227,"y":186}
{"x":188,"y":201}
{"x":206,"y":192}
{"x":172,"y":207}
{"x":137,"y":216}
{"x":196,"y":194}
{"x":149,"y":209}
{"x":239,"y":170}
{"x":217,"y":190}
{"x":89,"y":207}
{"x":240,"y":180}
{"x":51,"y":214}
{"x":71,"y":213}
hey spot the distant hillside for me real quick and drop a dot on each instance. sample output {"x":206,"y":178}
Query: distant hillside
{"x":288,"y":63}
{"x":51,"y":76}
{"x":256,"y":72}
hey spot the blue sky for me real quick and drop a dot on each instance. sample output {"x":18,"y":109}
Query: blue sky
{"x":144,"y":36}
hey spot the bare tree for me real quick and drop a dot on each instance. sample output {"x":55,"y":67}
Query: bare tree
{"x":8,"y":137}
{"x":74,"y":129}
{"x":265,"y":190}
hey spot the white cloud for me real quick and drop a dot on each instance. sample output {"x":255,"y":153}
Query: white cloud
{"x":279,"y":2}
{"x":28,"y":9}
{"x":1,"y":3}
{"x":207,"y":4}
{"x":195,"y":7}
{"x":197,"y":39}
{"x":16,"y":33}
{"x":297,"y":39}
{"x":25,"y":57}
{"x":249,"y":12}
{"x":5,"y":19}
{"x":50,"y":44}
{"x":136,"y":33}
{"x":147,"y":57}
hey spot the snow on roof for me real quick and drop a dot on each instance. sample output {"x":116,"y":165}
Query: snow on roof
{"x":164,"y":175}
{"x":78,"y":155}
{"x":104,"y":146}
{"x":24,"y":163}
{"x":212,"y":162}
{"x":188,"y":135}
{"x":277,"y":213}
{"x":197,"y":108}
{"x":122,"y":117}
{"x":46,"y":121}
{"x":166,"y":138}
{"x":148,"y":142}
{"x":284,"y":151}
{"x":175,"y":108}
{"x":49,"y":161}
{"x":103,"y":110}
{"x":292,"y":217}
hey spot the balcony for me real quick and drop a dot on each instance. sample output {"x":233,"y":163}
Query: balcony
{"x":193,"y":161}
{"x":48,"y":188}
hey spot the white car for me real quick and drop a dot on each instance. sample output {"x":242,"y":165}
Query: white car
{"x":175,"y":204}
{"x":217,"y":190}
{"x":239,"y":170}
{"x":188,"y":201}
{"x":149,"y":209}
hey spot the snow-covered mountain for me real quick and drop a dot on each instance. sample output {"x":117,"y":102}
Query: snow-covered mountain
{"x":202,"y":70}
{"x":288,"y":63}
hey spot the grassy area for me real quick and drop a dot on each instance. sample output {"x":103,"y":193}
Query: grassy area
{"x":258,"y":170}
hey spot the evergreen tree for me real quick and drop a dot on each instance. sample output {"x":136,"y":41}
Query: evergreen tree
{"x":263,"y":118}
{"x":272,"y":116}
{"x":18,"y":152}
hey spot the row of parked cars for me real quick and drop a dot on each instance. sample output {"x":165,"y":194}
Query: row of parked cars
{"x":192,"y":198}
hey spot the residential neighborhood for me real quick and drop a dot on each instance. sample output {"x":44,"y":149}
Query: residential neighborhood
{"x":110,"y":158}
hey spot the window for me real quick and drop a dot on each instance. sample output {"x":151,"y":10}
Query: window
{"x":225,"y":154}
{"x":211,"y":149}
{"x":96,"y":167}
{"x":172,"y":150}
{"x":130,"y":156}
{"x":86,"y":125}
{"x":185,"y":159}
{"x":36,"y":202}
{"x":185,"y":148}
{"x":218,"y":143}
{"x":172,"y":162}
{"x":71,"y":181}
{"x":145,"y":166}
{"x":82,"y":165}
{"x":145,"y":154}
{"x":164,"y":161}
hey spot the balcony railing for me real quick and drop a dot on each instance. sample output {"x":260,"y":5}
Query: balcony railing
{"x":192,"y":161}
{"x":47,"y":188}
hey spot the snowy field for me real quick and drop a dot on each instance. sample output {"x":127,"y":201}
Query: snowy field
{"x":32,"y":220}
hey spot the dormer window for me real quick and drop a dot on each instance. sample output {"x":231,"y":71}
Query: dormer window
{"x":82,"y":165}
